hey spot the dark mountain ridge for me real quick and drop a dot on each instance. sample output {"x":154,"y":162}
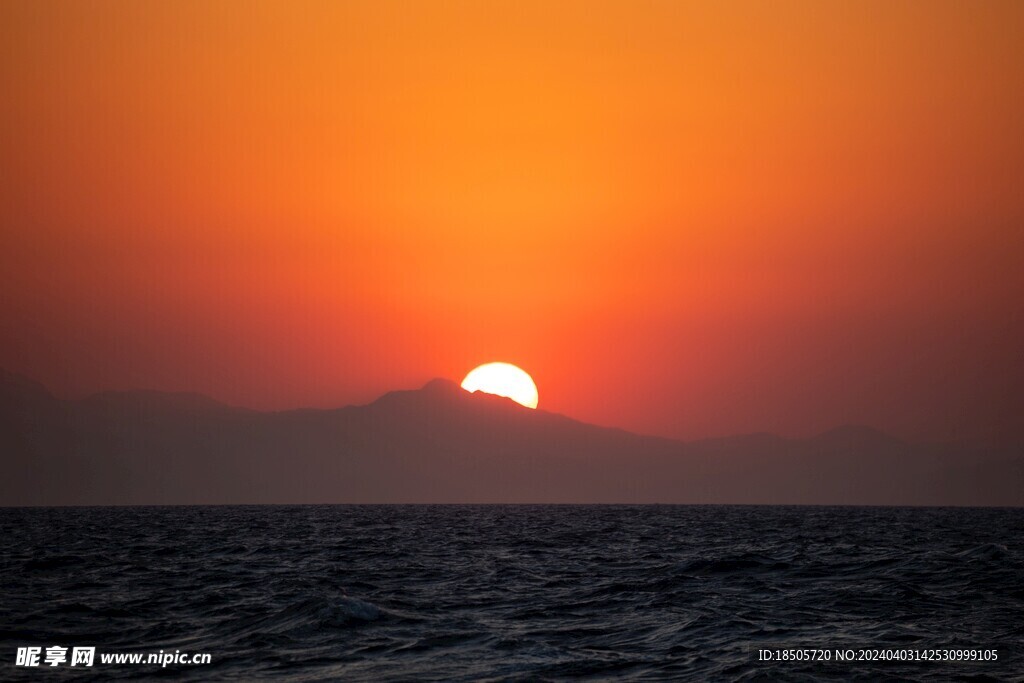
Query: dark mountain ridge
{"x":440,"y":444}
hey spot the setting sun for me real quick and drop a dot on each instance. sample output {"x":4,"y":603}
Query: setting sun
{"x":503,"y":379}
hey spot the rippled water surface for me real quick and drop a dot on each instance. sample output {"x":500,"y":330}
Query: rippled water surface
{"x":513,"y":592}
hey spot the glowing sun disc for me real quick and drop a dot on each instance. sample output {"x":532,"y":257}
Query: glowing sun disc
{"x":503,"y":379}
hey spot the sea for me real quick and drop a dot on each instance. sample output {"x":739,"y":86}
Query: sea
{"x":512,"y":593}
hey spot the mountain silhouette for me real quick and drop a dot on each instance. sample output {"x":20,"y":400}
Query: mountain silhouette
{"x":441,"y":444}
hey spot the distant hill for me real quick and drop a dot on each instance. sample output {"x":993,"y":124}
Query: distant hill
{"x":440,"y":444}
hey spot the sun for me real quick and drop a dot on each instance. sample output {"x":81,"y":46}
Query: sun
{"x":503,"y":379}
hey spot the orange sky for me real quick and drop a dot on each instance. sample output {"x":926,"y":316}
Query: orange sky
{"x":681,"y":218}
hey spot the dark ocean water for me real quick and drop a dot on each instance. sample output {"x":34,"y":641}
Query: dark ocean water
{"x":513,"y":592}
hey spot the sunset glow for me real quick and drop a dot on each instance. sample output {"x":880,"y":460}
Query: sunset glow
{"x":690,"y":218}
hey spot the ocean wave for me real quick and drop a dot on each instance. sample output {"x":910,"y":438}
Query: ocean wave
{"x":514,"y":593}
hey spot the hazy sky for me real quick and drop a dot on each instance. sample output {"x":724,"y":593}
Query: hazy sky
{"x":688,"y":219}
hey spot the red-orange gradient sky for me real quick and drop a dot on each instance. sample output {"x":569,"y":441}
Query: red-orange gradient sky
{"x":687,"y":219}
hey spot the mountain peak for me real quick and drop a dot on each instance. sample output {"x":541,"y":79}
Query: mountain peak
{"x":444,"y":392}
{"x":440,"y":444}
{"x":441,"y":385}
